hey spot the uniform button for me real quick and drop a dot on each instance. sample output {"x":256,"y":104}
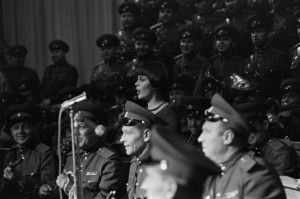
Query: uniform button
{"x":136,"y":184}
{"x":89,"y":181}
{"x":31,"y":174}
{"x":141,"y":170}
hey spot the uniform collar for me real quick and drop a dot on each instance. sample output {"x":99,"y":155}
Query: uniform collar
{"x":231,"y":161}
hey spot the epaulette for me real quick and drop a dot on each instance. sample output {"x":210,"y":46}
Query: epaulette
{"x":247,"y":162}
{"x":42,"y":148}
{"x":178,"y":56}
{"x":280,"y":52}
{"x":100,"y":64}
{"x":275,"y":144}
{"x":105,"y":152}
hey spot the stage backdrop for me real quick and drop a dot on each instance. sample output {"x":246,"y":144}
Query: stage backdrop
{"x":34,"y":23}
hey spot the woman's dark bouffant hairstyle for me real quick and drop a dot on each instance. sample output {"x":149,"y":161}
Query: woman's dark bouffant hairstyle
{"x":158,"y":75}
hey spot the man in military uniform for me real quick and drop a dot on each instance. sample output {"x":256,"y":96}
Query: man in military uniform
{"x":236,"y":16}
{"x":179,"y":170}
{"x":129,"y":13}
{"x":264,"y":139}
{"x":189,"y":63}
{"x":167,"y":36}
{"x":144,"y":41}
{"x":101,"y":168}
{"x":290,"y":106}
{"x":136,"y":126}
{"x":225,"y":62}
{"x":283,"y":34}
{"x":224,"y":141}
{"x":111,"y":68}
{"x":267,"y":66}
{"x":59,"y":75}
{"x":194,"y":108}
{"x":207,"y":20}
{"x":16,"y":71}
{"x":29,"y":165}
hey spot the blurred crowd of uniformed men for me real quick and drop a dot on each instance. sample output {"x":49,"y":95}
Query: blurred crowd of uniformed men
{"x":232,"y":65}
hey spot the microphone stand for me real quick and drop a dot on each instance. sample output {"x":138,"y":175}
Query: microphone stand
{"x":76,"y":157}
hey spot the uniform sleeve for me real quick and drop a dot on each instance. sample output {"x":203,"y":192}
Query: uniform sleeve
{"x":48,"y":168}
{"x":112,"y":178}
{"x":73,"y":77}
{"x":262,"y":182}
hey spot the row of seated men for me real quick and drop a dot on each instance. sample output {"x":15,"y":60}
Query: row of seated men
{"x":148,"y":159}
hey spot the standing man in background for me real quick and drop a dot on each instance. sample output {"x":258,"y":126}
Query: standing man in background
{"x":59,"y":75}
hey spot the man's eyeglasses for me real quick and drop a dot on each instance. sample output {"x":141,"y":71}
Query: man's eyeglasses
{"x":214,"y":117}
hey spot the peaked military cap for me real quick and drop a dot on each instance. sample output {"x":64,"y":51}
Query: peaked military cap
{"x":258,"y":21}
{"x":58,"y":45}
{"x":145,"y":35}
{"x":129,"y":7}
{"x":17,"y":51}
{"x":173,"y":4}
{"x":190,"y":31}
{"x":290,"y":85}
{"x":136,"y":114}
{"x":221,"y":110}
{"x":107,"y":40}
{"x":227,"y":30}
{"x":178,"y":158}
{"x":91,"y":111}
{"x":22,"y":113}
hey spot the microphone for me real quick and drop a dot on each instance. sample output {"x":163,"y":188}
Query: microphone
{"x":74,"y":100}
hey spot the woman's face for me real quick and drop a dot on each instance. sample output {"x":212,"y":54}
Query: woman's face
{"x":143,"y":88}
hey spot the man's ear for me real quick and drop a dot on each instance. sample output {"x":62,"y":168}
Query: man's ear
{"x":228,"y":137}
{"x":147,"y":135}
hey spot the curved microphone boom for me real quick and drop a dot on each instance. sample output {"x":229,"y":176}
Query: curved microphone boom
{"x":74,"y":100}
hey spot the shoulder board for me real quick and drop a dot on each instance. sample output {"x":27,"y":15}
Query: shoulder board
{"x":105,"y":152}
{"x":100,"y":64}
{"x":278,"y":51}
{"x":178,"y":56}
{"x":275,"y":144}
{"x":247,"y":162}
{"x":42,"y":148}
{"x":294,"y":47}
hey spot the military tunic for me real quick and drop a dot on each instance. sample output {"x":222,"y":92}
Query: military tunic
{"x":218,"y":67}
{"x":127,"y":43}
{"x":244,"y":177}
{"x":168,"y":38}
{"x":188,"y":66}
{"x":106,"y":72}
{"x":101,"y":172}
{"x":58,"y":76}
{"x":37,"y":167}
{"x":266,"y":68}
{"x":282,"y":156}
{"x":21,"y":73}
{"x":137,"y":175}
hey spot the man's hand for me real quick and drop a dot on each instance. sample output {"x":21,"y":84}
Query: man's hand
{"x":61,"y":180}
{"x":8,"y":174}
{"x":45,"y":190}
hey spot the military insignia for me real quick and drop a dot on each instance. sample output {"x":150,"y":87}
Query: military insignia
{"x":232,"y":194}
{"x":91,"y":173}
